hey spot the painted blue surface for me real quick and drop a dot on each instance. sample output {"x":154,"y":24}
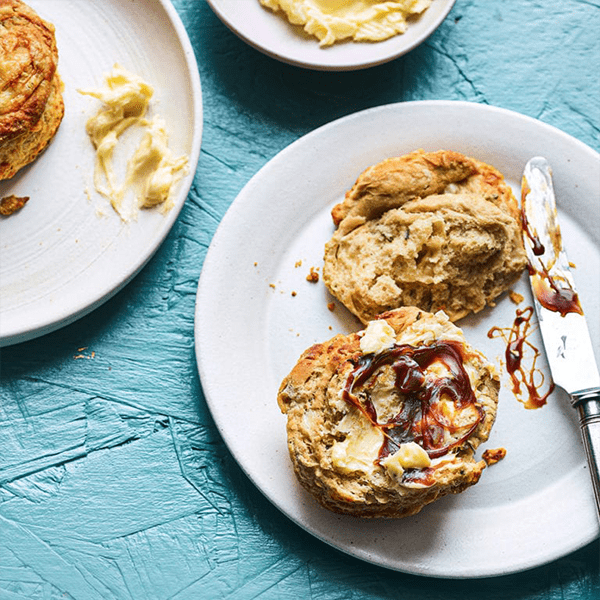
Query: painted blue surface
{"x":114,"y":482}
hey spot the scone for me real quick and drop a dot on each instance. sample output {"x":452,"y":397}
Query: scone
{"x":31,"y":104}
{"x":382,"y":422}
{"x":436,"y":230}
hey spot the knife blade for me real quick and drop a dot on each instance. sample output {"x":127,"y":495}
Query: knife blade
{"x":561,"y":318}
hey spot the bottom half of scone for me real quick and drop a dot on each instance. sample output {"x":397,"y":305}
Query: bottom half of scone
{"x":17,"y":152}
{"x":382,"y":429}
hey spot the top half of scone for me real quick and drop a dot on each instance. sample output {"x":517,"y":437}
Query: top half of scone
{"x":393,"y":182}
{"x":436,"y":230}
{"x":385,"y":421}
{"x":28,"y":62}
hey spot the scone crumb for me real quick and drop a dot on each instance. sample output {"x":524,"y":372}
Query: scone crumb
{"x":331,"y":306}
{"x":293,"y":294}
{"x":493,"y":455}
{"x":298,"y":264}
{"x":81,"y":354}
{"x":313,"y":276}
{"x":11,"y":204}
{"x":516,"y":297}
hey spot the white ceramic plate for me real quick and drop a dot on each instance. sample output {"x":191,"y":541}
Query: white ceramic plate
{"x":272,"y":34}
{"x":58,"y":258}
{"x":534,"y":506}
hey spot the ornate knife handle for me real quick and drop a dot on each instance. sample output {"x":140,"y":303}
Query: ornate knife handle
{"x":588,"y":405}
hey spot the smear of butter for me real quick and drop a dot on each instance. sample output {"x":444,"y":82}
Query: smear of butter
{"x":360,"y":449}
{"x":378,"y":336}
{"x":360,"y":20}
{"x":153,"y":169}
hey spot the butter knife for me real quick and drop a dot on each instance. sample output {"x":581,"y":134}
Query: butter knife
{"x":561,"y":318}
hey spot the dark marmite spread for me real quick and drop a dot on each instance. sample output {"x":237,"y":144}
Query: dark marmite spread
{"x":421,"y":417}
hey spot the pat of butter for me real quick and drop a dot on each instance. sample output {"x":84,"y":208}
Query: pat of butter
{"x":378,"y":336}
{"x":358,"y":451}
{"x":408,"y":456}
{"x":360,"y":20}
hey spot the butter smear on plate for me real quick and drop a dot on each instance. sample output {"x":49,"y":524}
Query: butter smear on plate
{"x":152,"y":169}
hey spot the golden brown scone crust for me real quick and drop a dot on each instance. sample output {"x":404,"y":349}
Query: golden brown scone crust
{"x":31,"y":104}
{"x":311,"y":398}
{"x":436,"y":230}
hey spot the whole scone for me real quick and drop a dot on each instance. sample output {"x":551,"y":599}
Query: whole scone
{"x":436,"y":230}
{"x":31,"y":103}
{"x":382,"y":422}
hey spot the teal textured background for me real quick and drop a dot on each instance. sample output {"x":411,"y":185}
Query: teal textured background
{"x":114,"y":482}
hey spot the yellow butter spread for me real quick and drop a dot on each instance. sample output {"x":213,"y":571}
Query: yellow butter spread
{"x":360,"y":449}
{"x":408,"y":456}
{"x":153,"y":169}
{"x":360,"y":20}
{"x":378,"y":336}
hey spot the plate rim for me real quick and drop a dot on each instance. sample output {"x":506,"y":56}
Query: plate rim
{"x":204,"y":368}
{"x":15,"y":335}
{"x":216,"y":6}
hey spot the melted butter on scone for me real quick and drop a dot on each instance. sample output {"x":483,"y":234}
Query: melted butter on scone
{"x":423,"y":332}
{"x":408,"y":456}
{"x":152,"y":170}
{"x":360,"y":20}
{"x":360,"y":449}
{"x":377,"y":336}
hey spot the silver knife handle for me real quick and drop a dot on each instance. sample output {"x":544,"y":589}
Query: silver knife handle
{"x":588,"y":406}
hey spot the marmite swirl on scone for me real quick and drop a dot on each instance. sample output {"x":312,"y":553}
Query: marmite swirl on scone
{"x":436,"y":230}
{"x":382,"y":422}
{"x":31,"y":104}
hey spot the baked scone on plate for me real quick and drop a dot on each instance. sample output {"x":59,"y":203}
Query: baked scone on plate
{"x":382,"y":422}
{"x":436,"y":230}
{"x":31,"y":103}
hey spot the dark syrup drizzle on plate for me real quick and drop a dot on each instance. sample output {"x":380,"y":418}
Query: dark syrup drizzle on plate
{"x":516,"y":340}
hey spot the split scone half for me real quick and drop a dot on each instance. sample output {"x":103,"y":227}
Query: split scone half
{"x":435,"y":230}
{"x":31,"y":102}
{"x":382,"y":422}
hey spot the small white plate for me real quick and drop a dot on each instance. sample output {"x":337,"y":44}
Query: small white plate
{"x":272,"y":34}
{"x":534,"y":506}
{"x":58,"y":258}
